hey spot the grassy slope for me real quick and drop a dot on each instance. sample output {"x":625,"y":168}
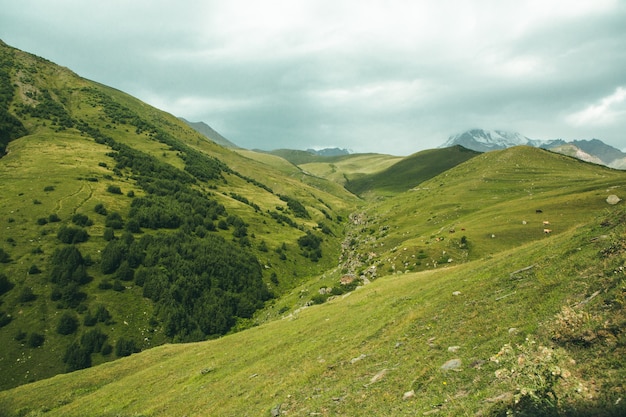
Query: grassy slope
{"x":303,"y":361}
{"x":410,"y":171}
{"x":401,"y":327}
{"x":491,"y":200}
{"x":64,"y":160}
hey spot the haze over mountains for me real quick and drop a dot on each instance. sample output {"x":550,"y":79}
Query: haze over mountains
{"x":146,"y":270}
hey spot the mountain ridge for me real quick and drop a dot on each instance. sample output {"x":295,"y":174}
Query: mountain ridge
{"x":592,"y":150}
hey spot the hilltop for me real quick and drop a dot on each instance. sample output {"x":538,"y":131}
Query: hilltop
{"x":146,"y":270}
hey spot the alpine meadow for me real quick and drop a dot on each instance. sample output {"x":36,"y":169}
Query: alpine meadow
{"x":147,"y":269}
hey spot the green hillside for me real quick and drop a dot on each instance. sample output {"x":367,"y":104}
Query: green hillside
{"x":384,"y":349}
{"x":147,"y":271}
{"x":112,"y":206}
{"x":410,"y":171}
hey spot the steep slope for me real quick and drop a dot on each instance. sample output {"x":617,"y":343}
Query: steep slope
{"x":123,"y":228}
{"x":443,"y":342}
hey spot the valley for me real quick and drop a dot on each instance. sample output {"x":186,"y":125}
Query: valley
{"x":148,"y":270}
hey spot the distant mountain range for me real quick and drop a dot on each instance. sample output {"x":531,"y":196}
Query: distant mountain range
{"x":593,"y":150}
{"x":329,"y":152}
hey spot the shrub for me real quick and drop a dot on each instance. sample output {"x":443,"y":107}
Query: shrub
{"x":68,"y":324}
{"x":42,"y":221}
{"x":5,"y":284}
{"x":48,"y":188}
{"x":99,"y":208}
{"x":114,"y":220}
{"x":109,"y":234}
{"x":81,"y":220}
{"x":68,"y":234}
{"x":533,"y":371}
{"x":35,"y":340}
{"x":76,"y":357}
{"x":125,"y":347}
{"x":26,"y":295}
{"x":54,"y":218}
{"x":93,"y":340}
{"x":5,"y":318}
{"x":33,"y":270}
{"x":114,"y":189}
{"x":4,"y":256}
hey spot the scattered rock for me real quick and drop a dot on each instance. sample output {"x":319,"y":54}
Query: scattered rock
{"x":613,"y":199}
{"x":206,"y":371}
{"x":454,"y":348}
{"x":408,"y":395}
{"x":380,"y":375}
{"x":451,"y":365}
{"x":456,"y":293}
{"x":275,"y":412}
{"x":358,"y":358}
{"x":512,"y":331}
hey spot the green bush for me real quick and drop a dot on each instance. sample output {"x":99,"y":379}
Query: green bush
{"x":76,"y":357}
{"x":114,"y":189}
{"x":125,"y":347}
{"x":5,"y":284}
{"x":34,"y":340}
{"x":81,"y":220}
{"x":26,"y":295}
{"x":68,"y":324}
{"x":4,"y":256}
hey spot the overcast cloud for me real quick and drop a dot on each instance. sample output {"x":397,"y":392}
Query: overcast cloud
{"x":373,"y":76}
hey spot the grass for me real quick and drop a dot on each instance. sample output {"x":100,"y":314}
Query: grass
{"x":355,"y":355}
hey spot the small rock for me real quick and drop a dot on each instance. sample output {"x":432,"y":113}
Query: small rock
{"x":512,"y":331}
{"x":360,"y":357}
{"x":454,"y":348}
{"x":456,"y":293}
{"x":378,"y":376}
{"x":408,"y":395}
{"x":275,"y":412}
{"x":613,"y":199}
{"x":206,"y":371}
{"x":452,"y":364}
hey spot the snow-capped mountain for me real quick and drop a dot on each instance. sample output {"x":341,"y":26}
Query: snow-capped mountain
{"x":593,"y":150}
{"x":486,"y":140}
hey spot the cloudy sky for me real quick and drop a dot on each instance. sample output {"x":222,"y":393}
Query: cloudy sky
{"x":373,"y":76}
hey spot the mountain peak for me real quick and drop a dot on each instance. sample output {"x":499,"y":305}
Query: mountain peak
{"x":486,"y":140}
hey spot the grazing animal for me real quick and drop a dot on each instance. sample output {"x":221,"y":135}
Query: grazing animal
{"x":545,"y":223}
{"x":547,"y":231}
{"x":538,"y":211}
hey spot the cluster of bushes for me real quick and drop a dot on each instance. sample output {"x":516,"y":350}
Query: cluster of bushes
{"x":281,"y":218}
{"x":310,"y":246}
{"x":200,"y":286}
{"x":48,"y":108}
{"x":68,"y":272}
{"x":296,"y":207}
